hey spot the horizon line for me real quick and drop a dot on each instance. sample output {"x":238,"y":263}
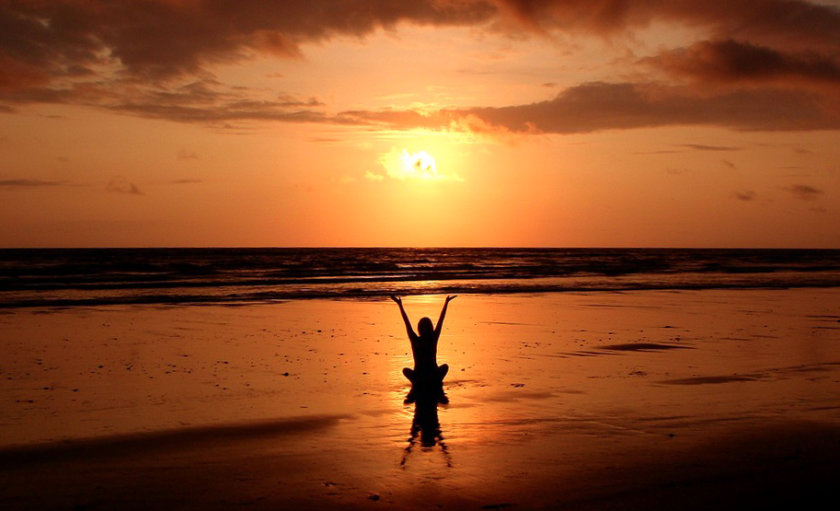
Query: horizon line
{"x":419,"y":247}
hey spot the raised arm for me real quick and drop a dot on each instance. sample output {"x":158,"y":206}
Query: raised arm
{"x":408,"y":329}
{"x":439,"y":326}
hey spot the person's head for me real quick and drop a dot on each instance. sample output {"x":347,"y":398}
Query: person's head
{"x":425,"y":327}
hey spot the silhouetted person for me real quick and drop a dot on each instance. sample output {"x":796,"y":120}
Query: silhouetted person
{"x":426,"y":372}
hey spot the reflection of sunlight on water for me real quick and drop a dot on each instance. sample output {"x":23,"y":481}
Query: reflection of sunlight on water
{"x":479,"y":356}
{"x":399,"y":415}
{"x":531,"y":380}
{"x":423,"y":299}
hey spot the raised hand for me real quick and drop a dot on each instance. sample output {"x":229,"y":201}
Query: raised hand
{"x":408,"y":329}
{"x":439,"y":325}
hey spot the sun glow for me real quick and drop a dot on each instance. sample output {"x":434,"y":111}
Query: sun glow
{"x":404,"y":165}
{"x":420,"y":164}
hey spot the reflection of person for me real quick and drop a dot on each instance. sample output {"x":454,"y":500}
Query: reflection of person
{"x":424,"y":346}
{"x":427,"y":426}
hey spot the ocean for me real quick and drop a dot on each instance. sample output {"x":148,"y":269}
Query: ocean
{"x":86,"y":277}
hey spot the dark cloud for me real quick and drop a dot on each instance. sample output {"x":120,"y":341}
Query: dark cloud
{"x":734,"y":61}
{"x":28,"y":183}
{"x":153,"y":39}
{"x":704,"y":147}
{"x":151,"y":58}
{"x":213,"y":113}
{"x":584,"y":108}
{"x":804,"y":192}
{"x":202,"y":100}
{"x":162,"y":38}
{"x":599,"y":106}
{"x":183,"y":154}
{"x":744,"y":195}
{"x":791,"y":22}
{"x":660,"y":151}
{"x":122,"y":185}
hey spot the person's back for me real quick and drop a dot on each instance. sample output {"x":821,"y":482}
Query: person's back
{"x":424,"y":346}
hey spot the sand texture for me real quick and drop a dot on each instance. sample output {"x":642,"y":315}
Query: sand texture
{"x":636,"y":400}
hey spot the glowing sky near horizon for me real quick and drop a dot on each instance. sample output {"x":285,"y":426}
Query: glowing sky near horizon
{"x":429,"y":123}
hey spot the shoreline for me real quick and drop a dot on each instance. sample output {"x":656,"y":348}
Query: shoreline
{"x":488,"y":287}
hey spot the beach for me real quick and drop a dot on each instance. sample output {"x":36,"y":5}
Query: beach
{"x":212,"y":213}
{"x":601,"y":400}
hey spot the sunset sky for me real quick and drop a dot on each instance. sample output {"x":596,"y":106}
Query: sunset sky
{"x":420,"y":123}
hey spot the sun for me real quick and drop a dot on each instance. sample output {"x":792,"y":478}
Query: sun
{"x":414,"y":165}
{"x":419,"y":165}
{"x":406,"y":165}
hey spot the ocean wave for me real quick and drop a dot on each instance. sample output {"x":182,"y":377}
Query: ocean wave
{"x":62,"y":278}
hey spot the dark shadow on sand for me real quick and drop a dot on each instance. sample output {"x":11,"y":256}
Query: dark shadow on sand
{"x":644,"y":346}
{"x":425,"y":426}
{"x":710,"y":380}
{"x":158,"y":441}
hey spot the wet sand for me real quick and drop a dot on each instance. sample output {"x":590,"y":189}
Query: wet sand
{"x":635,"y":400}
